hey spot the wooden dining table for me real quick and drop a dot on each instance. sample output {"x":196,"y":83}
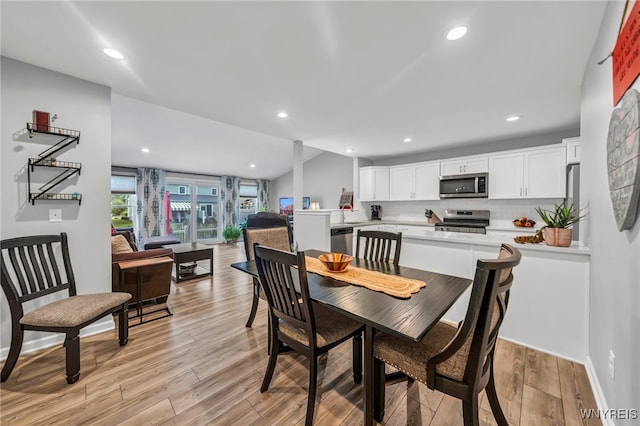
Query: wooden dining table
{"x":409,"y":318}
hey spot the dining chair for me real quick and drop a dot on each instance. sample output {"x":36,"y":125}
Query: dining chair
{"x":308,"y":328}
{"x":276,"y":236}
{"x":377,"y":246}
{"x":31,"y":269}
{"x":456,"y":360}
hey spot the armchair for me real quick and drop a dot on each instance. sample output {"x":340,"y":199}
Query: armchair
{"x":156,"y":279}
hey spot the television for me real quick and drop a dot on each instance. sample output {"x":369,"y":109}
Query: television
{"x":286,"y":205}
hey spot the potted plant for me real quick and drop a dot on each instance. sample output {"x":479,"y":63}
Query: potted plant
{"x":231,"y":234}
{"x":557,"y":231}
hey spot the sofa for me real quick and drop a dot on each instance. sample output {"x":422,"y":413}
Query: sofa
{"x":156,"y":279}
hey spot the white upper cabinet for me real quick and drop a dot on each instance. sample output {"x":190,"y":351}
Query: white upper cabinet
{"x":414,"y":182}
{"x":374,"y":183}
{"x":573,"y":150}
{"x":535,"y":173}
{"x":459,"y":166}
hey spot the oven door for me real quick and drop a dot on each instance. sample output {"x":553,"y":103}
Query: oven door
{"x":464,"y":186}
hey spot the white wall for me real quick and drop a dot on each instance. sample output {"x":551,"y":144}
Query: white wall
{"x":82,"y":106}
{"x":615,"y":273}
{"x":324,"y":177}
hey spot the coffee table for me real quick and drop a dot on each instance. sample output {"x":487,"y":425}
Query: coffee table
{"x":185,"y":256}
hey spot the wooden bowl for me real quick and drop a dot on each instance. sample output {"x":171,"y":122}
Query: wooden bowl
{"x":335,"y":262}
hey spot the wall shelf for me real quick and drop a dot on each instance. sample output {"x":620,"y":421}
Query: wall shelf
{"x":46,"y":160}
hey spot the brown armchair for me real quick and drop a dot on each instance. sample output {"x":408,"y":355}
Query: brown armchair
{"x":156,"y":279}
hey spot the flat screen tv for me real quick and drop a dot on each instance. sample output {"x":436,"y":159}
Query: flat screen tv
{"x":286,"y":204}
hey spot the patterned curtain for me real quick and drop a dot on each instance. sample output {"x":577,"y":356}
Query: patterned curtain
{"x":150,"y":193}
{"x":230,"y":197}
{"x":263,"y":194}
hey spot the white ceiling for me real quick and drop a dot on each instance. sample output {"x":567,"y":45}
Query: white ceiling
{"x":359,"y":75}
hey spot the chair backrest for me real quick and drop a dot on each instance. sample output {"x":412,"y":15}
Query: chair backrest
{"x":269,"y":220}
{"x":469,"y":353}
{"x":286,"y":288}
{"x":31,"y":268}
{"x":275,"y":237}
{"x":379,"y":246}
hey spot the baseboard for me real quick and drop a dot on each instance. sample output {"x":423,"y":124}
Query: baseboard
{"x":578,"y":361}
{"x":598,"y":394}
{"x":52,"y":339}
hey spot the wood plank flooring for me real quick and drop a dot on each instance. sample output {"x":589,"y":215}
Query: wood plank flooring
{"x":202,"y":366}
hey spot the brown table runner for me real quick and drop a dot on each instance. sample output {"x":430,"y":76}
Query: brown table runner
{"x":373,"y":280}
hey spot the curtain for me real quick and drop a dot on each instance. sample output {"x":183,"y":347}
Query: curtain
{"x":263,"y":194}
{"x":150,"y":207}
{"x":230,"y":197}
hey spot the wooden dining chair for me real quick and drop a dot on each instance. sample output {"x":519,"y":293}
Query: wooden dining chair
{"x":308,"y":328}
{"x":379,"y":246}
{"x":278,"y":237}
{"x":31,"y":269}
{"x":456,"y":360}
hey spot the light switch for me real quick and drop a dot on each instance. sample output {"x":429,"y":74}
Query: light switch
{"x":55,"y":215}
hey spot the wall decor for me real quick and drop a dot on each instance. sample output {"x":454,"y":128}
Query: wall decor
{"x":626,"y":53}
{"x":623,"y":159}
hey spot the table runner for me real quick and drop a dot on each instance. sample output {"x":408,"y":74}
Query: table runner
{"x":373,"y":280}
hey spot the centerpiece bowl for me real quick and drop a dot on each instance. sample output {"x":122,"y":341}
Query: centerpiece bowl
{"x":335,"y":262}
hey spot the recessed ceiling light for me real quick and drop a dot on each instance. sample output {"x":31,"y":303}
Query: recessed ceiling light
{"x":513,"y":118}
{"x":145,"y":150}
{"x":283,"y":114}
{"x":113,"y":53}
{"x":252,"y":166}
{"x":456,"y":33}
{"x":406,"y":140}
{"x":349,"y":150}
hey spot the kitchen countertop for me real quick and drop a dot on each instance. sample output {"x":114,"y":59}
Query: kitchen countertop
{"x":478,"y":239}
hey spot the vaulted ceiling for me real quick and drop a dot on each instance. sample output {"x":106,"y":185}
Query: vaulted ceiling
{"x":362,"y":76}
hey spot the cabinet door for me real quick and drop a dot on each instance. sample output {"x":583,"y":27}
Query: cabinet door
{"x":545,"y":174}
{"x":476,"y":165}
{"x":402,"y":183}
{"x":381,"y":184}
{"x":366,"y":184}
{"x":573,"y":150}
{"x":452,"y":167}
{"x":506,"y":176}
{"x":427,"y":182}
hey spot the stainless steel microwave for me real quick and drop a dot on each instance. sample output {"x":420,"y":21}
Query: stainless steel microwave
{"x":474,"y":185}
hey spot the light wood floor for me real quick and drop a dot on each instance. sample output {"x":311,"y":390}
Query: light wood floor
{"x":202,"y":366}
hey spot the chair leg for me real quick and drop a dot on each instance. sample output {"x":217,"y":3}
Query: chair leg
{"x":470,"y":411}
{"x":274,"y":346}
{"x":313,"y":384}
{"x":254,"y":304}
{"x":357,"y":358}
{"x":17,"y":336}
{"x":123,"y":325}
{"x":494,"y":402}
{"x":72,"y":345}
{"x":378,"y":390}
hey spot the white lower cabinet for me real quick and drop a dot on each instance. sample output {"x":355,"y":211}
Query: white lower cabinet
{"x":536,"y":173}
{"x":415,"y":230}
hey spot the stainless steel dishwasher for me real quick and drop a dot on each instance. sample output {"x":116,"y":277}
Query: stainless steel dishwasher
{"x":342,"y":240}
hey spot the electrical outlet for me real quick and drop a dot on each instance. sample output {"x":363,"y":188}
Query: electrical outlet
{"x":55,"y":215}
{"x":612,"y":364}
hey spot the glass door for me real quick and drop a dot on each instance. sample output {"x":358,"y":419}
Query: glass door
{"x":195,"y":209}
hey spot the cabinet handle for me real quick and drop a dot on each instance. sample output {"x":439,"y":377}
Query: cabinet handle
{"x":526,"y":190}
{"x":521,"y":192}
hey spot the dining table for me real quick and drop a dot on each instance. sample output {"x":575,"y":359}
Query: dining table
{"x":409,"y":318}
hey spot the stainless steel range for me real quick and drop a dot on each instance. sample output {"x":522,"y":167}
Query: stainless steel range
{"x":473,"y":221}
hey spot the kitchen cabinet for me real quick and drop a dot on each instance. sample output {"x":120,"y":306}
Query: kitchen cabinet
{"x":414,"y":182}
{"x":536,"y":173}
{"x":573,"y":150}
{"x":458,"y":166}
{"x":374,"y":183}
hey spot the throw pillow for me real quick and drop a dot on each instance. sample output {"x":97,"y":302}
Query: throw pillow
{"x":119,"y":244}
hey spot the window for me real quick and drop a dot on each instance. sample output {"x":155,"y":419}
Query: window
{"x":182,"y":190}
{"x":195,"y":208}
{"x":123,"y":201}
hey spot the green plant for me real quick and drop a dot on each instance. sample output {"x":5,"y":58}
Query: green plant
{"x":231,"y":233}
{"x":562,"y":216}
